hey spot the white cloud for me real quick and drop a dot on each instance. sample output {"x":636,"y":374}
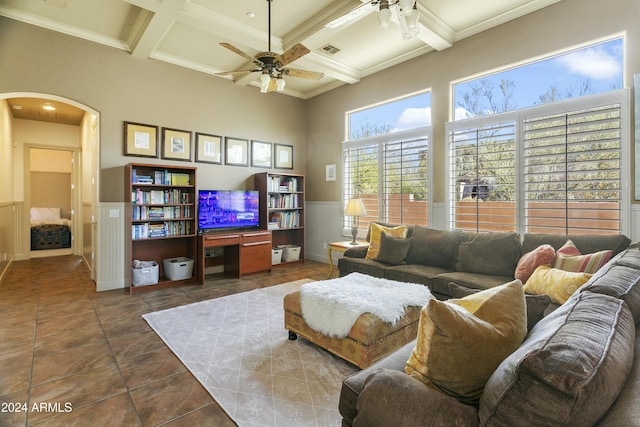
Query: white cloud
{"x":413,"y":118}
{"x":461,"y":113}
{"x":592,"y":63}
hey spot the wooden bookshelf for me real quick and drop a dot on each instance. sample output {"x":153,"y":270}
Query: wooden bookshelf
{"x":161,"y":217}
{"x":282,"y":207}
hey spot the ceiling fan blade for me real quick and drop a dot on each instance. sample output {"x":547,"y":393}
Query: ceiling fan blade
{"x":304,"y":74}
{"x":234,"y":49}
{"x":296,"y":51}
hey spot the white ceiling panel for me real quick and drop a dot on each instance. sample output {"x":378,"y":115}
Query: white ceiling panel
{"x":188,"y":33}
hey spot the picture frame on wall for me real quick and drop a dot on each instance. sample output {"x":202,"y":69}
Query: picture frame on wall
{"x":208,"y":148}
{"x":236,"y":151}
{"x":140,"y":140}
{"x":176,"y":144}
{"x":261,"y":154}
{"x":283,"y":156}
{"x":330,"y":172}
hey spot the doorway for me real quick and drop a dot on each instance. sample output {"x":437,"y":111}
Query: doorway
{"x":35,"y":124}
{"x":52,"y":194}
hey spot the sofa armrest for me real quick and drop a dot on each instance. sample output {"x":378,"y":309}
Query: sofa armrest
{"x":393,"y":398}
{"x":357,"y":252}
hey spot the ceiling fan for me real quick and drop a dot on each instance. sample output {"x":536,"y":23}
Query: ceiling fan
{"x":271,"y":65}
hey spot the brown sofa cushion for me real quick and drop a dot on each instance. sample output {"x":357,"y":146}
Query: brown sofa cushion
{"x":490,"y":253}
{"x":622,"y":280}
{"x":437,"y":248}
{"x":568,"y":371}
{"x":393,"y":398}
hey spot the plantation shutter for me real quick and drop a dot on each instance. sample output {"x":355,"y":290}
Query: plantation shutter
{"x":572,"y":171}
{"x":390,"y":173}
{"x":482,"y":164}
{"x":404,"y":183}
{"x":360,"y":166}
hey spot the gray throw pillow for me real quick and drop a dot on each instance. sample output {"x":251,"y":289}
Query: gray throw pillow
{"x":536,"y":304}
{"x":393,"y":250}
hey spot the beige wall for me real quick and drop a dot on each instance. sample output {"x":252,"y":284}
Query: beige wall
{"x":123,"y":88}
{"x":6,"y":153}
{"x":7,"y":208}
{"x":564,"y":25}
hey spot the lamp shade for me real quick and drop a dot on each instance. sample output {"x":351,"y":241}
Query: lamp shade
{"x":384,"y":15}
{"x":355,"y":207}
{"x":407,"y":5}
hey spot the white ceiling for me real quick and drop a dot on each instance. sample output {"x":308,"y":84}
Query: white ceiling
{"x":188,"y":32}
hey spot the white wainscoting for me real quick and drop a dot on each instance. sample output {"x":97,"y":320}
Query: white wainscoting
{"x":322,"y":225}
{"x":112,"y":247}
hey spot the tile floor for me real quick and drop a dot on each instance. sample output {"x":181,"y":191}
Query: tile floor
{"x":70,"y":356}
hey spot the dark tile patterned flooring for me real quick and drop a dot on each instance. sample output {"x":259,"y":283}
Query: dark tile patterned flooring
{"x":71,"y":356}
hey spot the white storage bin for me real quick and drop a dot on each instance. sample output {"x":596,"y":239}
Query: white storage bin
{"x":147,"y":275}
{"x":178,"y":268}
{"x":276,"y":256}
{"x":291,"y":252}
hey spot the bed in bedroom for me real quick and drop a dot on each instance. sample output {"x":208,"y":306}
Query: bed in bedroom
{"x":49,"y":230}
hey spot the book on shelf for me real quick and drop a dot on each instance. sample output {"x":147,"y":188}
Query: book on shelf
{"x":282,"y":184}
{"x":161,"y":177}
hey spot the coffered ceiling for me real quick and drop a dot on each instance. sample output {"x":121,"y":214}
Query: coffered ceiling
{"x":188,"y":33}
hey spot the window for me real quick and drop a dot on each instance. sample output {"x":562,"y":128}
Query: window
{"x":552,"y":169}
{"x":590,"y":70}
{"x":390,"y":174}
{"x":386,"y":161}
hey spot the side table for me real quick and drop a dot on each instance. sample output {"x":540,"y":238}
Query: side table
{"x":342,"y":248}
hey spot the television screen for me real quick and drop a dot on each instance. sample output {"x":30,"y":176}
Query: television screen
{"x":227,"y":209}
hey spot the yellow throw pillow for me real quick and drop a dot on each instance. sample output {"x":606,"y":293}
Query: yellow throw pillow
{"x":376,"y":236}
{"x":462,"y":341}
{"x":556,"y":283}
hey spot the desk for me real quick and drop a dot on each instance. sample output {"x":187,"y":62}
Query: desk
{"x":342,"y":248}
{"x":244,"y":252}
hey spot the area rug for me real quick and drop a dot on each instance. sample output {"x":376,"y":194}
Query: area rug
{"x":237,"y":347}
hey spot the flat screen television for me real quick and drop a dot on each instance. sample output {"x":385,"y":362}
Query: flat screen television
{"x":221,"y":209}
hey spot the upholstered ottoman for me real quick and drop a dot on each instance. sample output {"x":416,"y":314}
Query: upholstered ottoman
{"x":369,"y":340}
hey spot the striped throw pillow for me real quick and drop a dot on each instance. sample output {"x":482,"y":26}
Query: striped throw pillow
{"x":569,"y":258}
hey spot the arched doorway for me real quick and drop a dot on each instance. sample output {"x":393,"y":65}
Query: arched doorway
{"x":30,"y":124}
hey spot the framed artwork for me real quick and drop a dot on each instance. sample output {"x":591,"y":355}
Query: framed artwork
{"x":261,"y":154}
{"x":330,"y":172}
{"x":237,"y":151}
{"x":283,"y":156}
{"x":140,"y":140}
{"x":208,"y":148}
{"x":176,"y":144}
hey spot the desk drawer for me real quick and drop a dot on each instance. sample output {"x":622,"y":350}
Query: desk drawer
{"x":257,"y":237}
{"x":222,"y":240}
{"x":255,"y":257}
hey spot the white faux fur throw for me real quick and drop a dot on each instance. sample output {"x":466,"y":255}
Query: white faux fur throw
{"x":331,"y":307}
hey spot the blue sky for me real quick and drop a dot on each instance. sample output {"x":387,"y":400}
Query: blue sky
{"x":600,"y":64}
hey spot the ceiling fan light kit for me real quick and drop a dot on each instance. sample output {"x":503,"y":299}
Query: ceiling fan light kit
{"x":271,"y":65}
{"x":406,"y":11}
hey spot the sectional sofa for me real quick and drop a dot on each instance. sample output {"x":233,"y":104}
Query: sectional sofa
{"x":438,"y":257}
{"x":579,"y":365}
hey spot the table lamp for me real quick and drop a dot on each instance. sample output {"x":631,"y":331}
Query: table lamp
{"x":355,"y":208}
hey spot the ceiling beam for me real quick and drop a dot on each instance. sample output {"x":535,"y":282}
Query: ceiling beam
{"x":155,"y":26}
